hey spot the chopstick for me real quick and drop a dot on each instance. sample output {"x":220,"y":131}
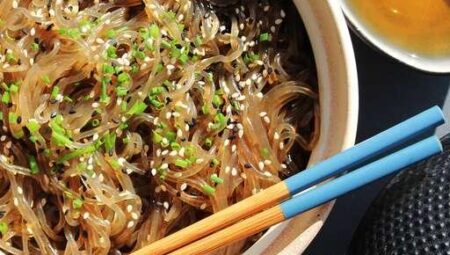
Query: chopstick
{"x":339,"y":163}
{"x":314,"y":197}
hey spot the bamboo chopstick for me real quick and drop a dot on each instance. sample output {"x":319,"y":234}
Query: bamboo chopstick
{"x":339,"y":163}
{"x":312,"y":198}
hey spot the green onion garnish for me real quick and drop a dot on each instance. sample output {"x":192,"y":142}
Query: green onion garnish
{"x":208,"y":190}
{"x":111,"y":33}
{"x":124,"y":78}
{"x":157,"y":138}
{"x":3,"y":227}
{"x":121,"y":91}
{"x":156,"y":91}
{"x":107,"y":69}
{"x":33,"y":165}
{"x":55,"y":92}
{"x":216,"y":179}
{"x":175,"y":146}
{"x":33,"y":126}
{"x":6,"y":97}
{"x":182,"y":163}
{"x":214,"y":162}
{"x":35,"y":46}
{"x":79,"y":152}
{"x":198,"y":41}
{"x":153,"y":30}
{"x":205,"y":109}
{"x":77,"y":203}
{"x":265,"y":153}
{"x":14,"y":88}
{"x":111,"y":52}
{"x":208,"y":142}
{"x":137,"y":108}
{"x":61,"y":139}
{"x":264,"y":37}
{"x":217,"y":101}
{"x":46,"y":79}
{"x":12,"y":118}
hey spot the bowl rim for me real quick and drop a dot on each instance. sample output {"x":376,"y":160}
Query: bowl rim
{"x":318,"y":16}
{"x":429,"y":65}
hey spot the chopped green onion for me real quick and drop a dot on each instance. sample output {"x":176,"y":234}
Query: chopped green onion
{"x":12,"y":117}
{"x":134,"y":69}
{"x":153,"y":30}
{"x":264,"y":37}
{"x":220,"y":121}
{"x":68,"y":99}
{"x":207,"y":189}
{"x":208,"y":142}
{"x":55,"y":92}
{"x":95,"y":122}
{"x":155,"y":102}
{"x":77,"y":203}
{"x":104,"y":98}
{"x":33,"y":126}
{"x":139,"y":54}
{"x":33,"y":165}
{"x":1,"y":115}
{"x":205,"y":109}
{"x":110,"y":141}
{"x":111,"y":33}
{"x":265,"y":153}
{"x":198,"y":41}
{"x":3,"y":227}
{"x":108,"y":69}
{"x":157,"y":138}
{"x":156,"y":91}
{"x":121,"y":91}
{"x":35,"y":46}
{"x":111,"y":52}
{"x":77,"y":153}
{"x":137,"y":108}
{"x":216,"y":179}
{"x":175,"y":146}
{"x":214,"y":162}
{"x":126,"y":140}
{"x":171,"y":136}
{"x":217,"y":101}
{"x":184,"y":58}
{"x":10,"y":57}
{"x":6,"y":97}
{"x":61,"y":139}
{"x":181,"y":163}
{"x":124,"y":78}
{"x":165,"y":44}
{"x":14,"y":88}
{"x":159,"y":68}
{"x":46,"y":79}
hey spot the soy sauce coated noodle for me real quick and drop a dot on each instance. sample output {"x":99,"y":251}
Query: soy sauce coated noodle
{"x":125,"y":120}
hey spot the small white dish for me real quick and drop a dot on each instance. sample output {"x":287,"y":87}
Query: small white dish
{"x":423,"y":63}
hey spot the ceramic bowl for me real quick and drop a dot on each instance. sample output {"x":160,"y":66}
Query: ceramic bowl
{"x":338,"y":88}
{"x":427,"y":64}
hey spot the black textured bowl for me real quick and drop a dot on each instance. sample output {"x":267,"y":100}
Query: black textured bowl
{"x":412,"y":215}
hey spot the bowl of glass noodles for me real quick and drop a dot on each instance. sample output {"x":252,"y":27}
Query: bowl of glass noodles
{"x":124,"y":121}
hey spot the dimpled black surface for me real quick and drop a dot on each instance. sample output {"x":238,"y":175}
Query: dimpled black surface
{"x":412,"y":215}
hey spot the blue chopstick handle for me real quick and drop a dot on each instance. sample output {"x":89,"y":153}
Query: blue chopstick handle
{"x":363,"y":151}
{"x":360,"y":177}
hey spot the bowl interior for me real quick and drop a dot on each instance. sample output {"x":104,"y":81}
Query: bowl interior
{"x":423,"y":63}
{"x":338,"y":91}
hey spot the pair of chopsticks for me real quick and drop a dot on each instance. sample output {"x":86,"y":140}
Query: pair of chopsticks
{"x":265,"y":209}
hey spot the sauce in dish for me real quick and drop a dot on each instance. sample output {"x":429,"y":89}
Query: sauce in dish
{"x":421,"y":27}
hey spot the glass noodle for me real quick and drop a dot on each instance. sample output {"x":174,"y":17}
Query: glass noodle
{"x":123,"y":121}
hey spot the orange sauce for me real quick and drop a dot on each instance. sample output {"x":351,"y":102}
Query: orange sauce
{"x":421,"y":27}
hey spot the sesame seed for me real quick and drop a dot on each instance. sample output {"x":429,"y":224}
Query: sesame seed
{"x":15,"y":202}
{"x":166,"y":205}
{"x":135,"y":216}
{"x":199,"y":161}
{"x":262,"y":114}
{"x":85,"y":215}
{"x":261,"y":165}
{"x":15,"y":4}
{"x":99,"y":41}
{"x":3,"y":138}
{"x":165,"y":141}
{"x":32,"y":31}
{"x":95,"y":105}
{"x":237,"y":10}
{"x":243,"y":38}
{"x":95,"y":136}
{"x":235,"y":95}
{"x":248,"y":82}
{"x":266,"y":8}
{"x":231,"y":126}
{"x":276,"y":136}
{"x":203,"y":206}
{"x":130,"y":224}
{"x":20,"y":190}
{"x":234,"y":171}
{"x":222,"y":28}
{"x":260,"y":95}
{"x":227,"y":169}
{"x":241,"y":98}
{"x":165,"y":152}
{"x":267,"y":162}
{"x":178,"y":175}
{"x":241,"y":26}
{"x":282,"y":14}
{"x":186,"y":127}
{"x":226,"y":143}
{"x":154,"y":171}
{"x":129,"y":171}
{"x":244,"y":176}
{"x":173,"y":153}
{"x":267,"y":119}
{"x":283,"y":166}
{"x":278,"y":21}
{"x":164,"y":166}
{"x":121,"y":161}
{"x":272,"y":29}
{"x":233,"y":148}
{"x":267,"y":173}
{"x":158,"y":152}
{"x":281,"y":145}
{"x":241,"y":133}
{"x":183,"y":186}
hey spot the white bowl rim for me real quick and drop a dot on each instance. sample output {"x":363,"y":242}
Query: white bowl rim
{"x":346,"y":63}
{"x":430,"y":65}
